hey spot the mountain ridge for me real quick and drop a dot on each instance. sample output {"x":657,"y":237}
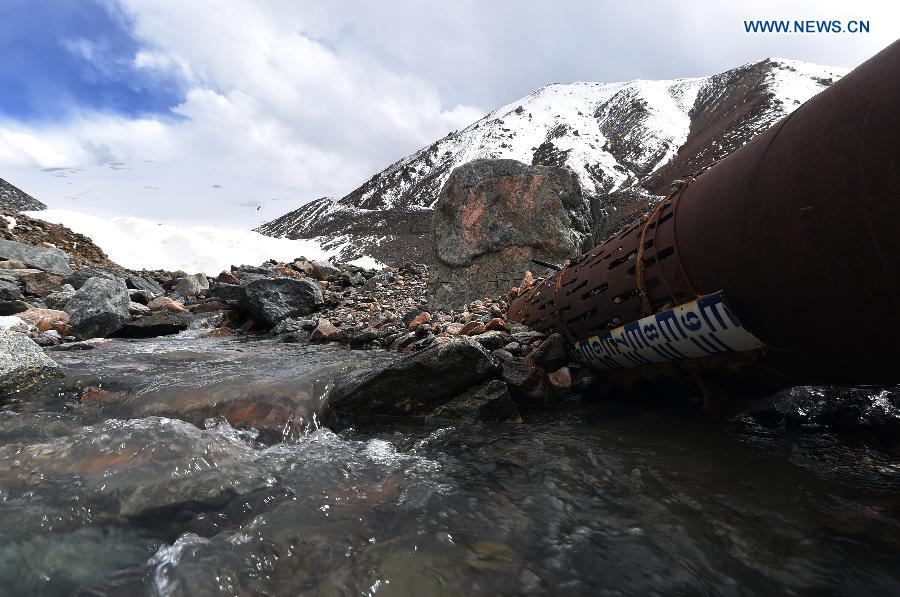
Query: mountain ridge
{"x":625,"y":141}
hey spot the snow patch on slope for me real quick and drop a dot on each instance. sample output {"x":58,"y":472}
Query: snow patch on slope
{"x":138,"y":243}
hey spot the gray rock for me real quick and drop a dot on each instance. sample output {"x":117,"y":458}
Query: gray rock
{"x":161,"y":323}
{"x":98,"y":308}
{"x":77,"y":278}
{"x":22,"y":362}
{"x":412,"y":386}
{"x":384,"y":278}
{"x":292,"y":325}
{"x":57,"y":300}
{"x":138,"y":309}
{"x":357,"y":280}
{"x":227,"y":293}
{"x":51,"y":260}
{"x":190,"y":287}
{"x":322,"y":270}
{"x":145,"y":283}
{"x":272,"y":299}
{"x":140,"y":296}
{"x":526,"y":338}
{"x":492,"y":340}
{"x":13,"y":307}
{"x":9,"y":291}
{"x":551,"y":354}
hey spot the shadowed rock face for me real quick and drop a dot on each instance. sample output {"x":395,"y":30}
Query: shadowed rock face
{"x":494,"y":216}
{"x":14,"y":198}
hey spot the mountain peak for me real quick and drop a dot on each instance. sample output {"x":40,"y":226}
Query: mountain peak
{"x":626,"y":142}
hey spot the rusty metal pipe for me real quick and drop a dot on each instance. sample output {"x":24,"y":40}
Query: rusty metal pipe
{"x":798,"y":232}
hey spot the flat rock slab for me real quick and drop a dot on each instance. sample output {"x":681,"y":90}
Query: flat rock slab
{"x":161,"y":323}
{"x":45,"y":259}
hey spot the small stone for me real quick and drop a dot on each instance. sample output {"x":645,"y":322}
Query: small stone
{"x":227,"y":278}
{"x":324,"y":331}
{"x":473,"y":328}
{"x":561,"y":379}
{"x":454,"y":329}
{"x":47,"y":319}
{"x":497,"y":323}
{"x":551,"y":354}
{"x":138,"y":309}
{"x":423,"y":317}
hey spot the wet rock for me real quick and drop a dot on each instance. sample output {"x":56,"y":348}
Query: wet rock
{"x":164,"y":303}
{"x":190,"y":287}
{"x":98,"y":308}
{"x":412,"y":386}
{"x":57,"y":300}
{"x":473,"y":328}
{"x":22,"y":362}
{"x":138,"y":309}
{"x":490,"y":403}
{"x":273,"y":299}
{"x":119,"y":476}
{"x":527,"y":383}
{"x":47,"y":319}
{"x":77,"y":278}
{"x":216,"y":332}
{"x":492,"y":340}
{"x":95,"y":394}
{"x":551,"y":354}
{"x":292,"y":325}
{"x":209,"y":306}
{"x":46,"y":259}
{"x":160,"y":323}
{"x":322,"y":270}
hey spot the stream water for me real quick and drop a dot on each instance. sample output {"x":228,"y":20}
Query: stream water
{"x":124,"y":500}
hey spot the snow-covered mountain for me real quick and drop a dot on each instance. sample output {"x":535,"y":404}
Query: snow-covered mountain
{"x":625,"y":141}
{"x":15,"y":199}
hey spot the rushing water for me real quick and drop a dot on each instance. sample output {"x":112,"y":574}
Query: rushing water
{"x":624,"y":501}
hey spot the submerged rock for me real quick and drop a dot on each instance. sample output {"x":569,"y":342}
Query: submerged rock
{"x":138,"y":468}
{"x":412,"y":386}
{"x":272,"y":299}
{"x":98,"y":308}
{"x":46,"y":259}
{"x":22,"y":362}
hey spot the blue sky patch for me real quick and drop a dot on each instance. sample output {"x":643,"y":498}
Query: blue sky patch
{"x":60,"y":57}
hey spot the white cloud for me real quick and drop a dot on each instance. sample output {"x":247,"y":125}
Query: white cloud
{"x":294,"y":100}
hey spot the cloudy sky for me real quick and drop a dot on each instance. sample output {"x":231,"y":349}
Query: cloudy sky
{"x":204,"y":110}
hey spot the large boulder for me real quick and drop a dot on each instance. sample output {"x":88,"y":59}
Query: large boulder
{"x":98,"y":308}
{"x":412,"y":386}
{"x":272,"y":299}
{"x":492,"y":218}
{"x":48,"y":259}
{"x":9,"y":291}
{"x":144,"y":283}
{"x":22,"y":362}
